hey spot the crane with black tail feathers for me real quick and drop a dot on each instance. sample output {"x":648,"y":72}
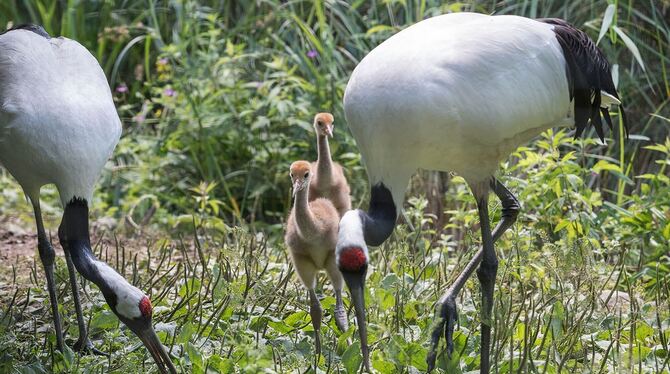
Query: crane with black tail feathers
{"x":459,"y":92}
{"x":58,"y":125}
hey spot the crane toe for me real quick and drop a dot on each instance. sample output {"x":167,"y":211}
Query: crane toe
{"x":85,"y":346}
{"x":446,"y":322}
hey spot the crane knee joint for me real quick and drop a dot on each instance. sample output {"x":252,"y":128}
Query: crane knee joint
{"x":487,"y":270}
{"x":47,"y":253}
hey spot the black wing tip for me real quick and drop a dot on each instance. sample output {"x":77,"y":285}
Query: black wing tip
{"x":37,"y":29}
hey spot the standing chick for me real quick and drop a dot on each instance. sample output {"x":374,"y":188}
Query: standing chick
{"x":311,"y":235}
{"x":329,"y":181}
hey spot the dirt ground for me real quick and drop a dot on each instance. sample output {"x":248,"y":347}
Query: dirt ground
{"x":19,"y":254}
{"x":18,"y":246}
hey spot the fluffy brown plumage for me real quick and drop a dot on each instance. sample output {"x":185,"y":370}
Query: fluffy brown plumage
{"x":311,"y":235}
{"x":329,"y":180}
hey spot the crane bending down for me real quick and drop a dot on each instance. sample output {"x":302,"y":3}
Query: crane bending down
{"x":58,"y":125}
{"x":460,"y":92}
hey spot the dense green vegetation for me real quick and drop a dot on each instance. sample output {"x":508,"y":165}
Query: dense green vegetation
{"x":217,"y":98}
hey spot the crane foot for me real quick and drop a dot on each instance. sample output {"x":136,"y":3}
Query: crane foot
{"x":446,"y":322}
{"x":84,"y":346}
{"x":341,"y":318}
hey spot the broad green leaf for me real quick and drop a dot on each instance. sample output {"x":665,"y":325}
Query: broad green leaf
{"x":295,"y":318}
{"x":383,"y":366}
{"x":104,"y":320}
{"x":352,"y":358}
{"x":604,"y":165}
{"x":187,"y":330}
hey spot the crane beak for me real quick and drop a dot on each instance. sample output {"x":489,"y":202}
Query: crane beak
{"x":150,"y":339}
{"x":329,"y":130}
{"x":356,"y":283}
{"x":297,"y":186}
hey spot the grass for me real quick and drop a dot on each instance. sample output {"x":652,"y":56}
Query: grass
{"x":226,"y":299}
{"x":218,"y":102}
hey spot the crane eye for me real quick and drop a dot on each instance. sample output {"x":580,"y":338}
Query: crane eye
{"x":291,"y":174}
{"x":307,"y":174}
{"x":319,"y":123}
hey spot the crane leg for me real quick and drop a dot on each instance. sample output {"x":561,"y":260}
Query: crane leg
{"x":486,"y":273}
{"x":446,"y":306}
{"x":83,"y":344}
{"x":315,"y":312}
{"x":48,"y":255}
{"x":307,"y":272}
{"x":336,"y":279}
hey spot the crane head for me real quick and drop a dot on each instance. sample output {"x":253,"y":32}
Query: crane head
{"x":351,"y":256}
{"x":323,"y":124}
{"x":137,"y":316}
{"x":300,"y":175}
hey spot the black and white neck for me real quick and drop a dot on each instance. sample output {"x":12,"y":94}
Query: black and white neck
{"x":122,"y":297}
{"x":359,"y":228}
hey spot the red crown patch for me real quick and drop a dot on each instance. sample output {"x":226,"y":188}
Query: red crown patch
{"x":352,"y":259}
{"x":145,"y":307}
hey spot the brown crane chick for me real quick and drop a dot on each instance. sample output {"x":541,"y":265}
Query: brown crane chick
{"x":329,"y":180}
{"x":311,"y":235}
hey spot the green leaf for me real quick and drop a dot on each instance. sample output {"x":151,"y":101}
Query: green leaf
{"x":187,"y":330}
{"x":296,"y":318}
{"x":657,"y":147}
{"x":352,"y":358}
{"x":377,"y":29}
{"x":561,"y":225}
{"x":386,"y":299}
{"x":631,"y":46}
{"x":556,"y":323}
{"x":604,"y":165}
{"x":195,"y":357}
{"x":383,"y":366}
{"x":390,"y":281}
{"x":607,"y":21}
{"x":280,"y":326}
{"x":104,"y":320}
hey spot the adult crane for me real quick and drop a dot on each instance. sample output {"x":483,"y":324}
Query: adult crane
{"x":459,"y":92}
{"x":58,"y":125}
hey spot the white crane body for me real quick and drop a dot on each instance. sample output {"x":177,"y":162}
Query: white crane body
{"x":54,"y":94}
{"x":459,"y":92}
{"x":432,"y":95}
{"x":59,"y":125}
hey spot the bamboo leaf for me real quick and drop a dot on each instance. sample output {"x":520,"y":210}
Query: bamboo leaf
{"x":631,"y":46}
{"x":607,"y":21}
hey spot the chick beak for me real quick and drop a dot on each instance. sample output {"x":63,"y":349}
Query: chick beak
{"x":356,"y":283}
{"x":150,"y":339}
{"x":297,"y":186}
{"x":329,"y":130}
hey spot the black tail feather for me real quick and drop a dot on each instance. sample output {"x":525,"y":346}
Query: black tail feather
{"x":37,"y":29}
{"x":588,"y":73}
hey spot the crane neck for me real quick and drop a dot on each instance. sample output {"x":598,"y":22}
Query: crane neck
{"x":304,"y":218}
{"x":324,"y":163}
{"x":75,"y":236}
{"x":379,"y":220}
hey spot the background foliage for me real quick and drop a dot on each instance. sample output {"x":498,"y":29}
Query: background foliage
{"x":217,"y":99}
